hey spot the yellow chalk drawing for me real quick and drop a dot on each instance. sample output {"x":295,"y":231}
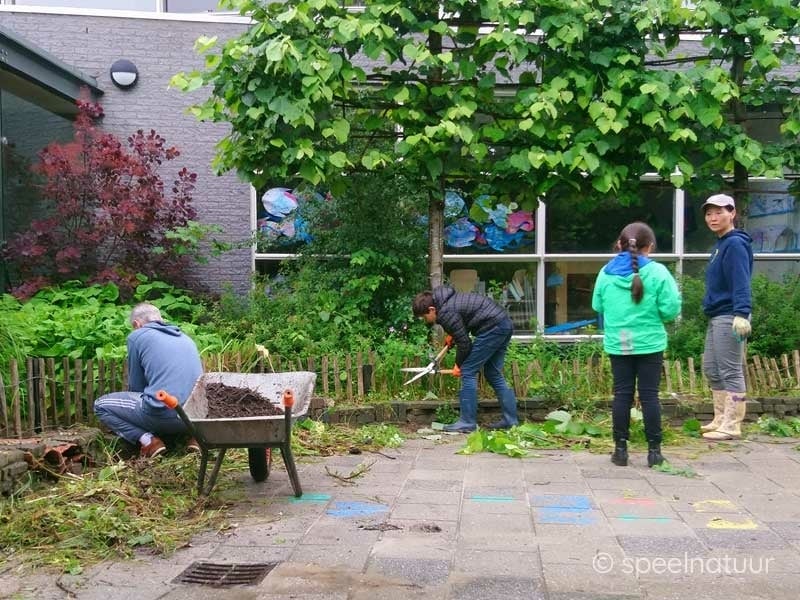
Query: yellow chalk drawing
{"x":712,"y":505}
{"x":718,"y":523}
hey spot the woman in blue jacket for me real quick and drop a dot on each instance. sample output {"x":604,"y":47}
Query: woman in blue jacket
{"x":728,"y":305}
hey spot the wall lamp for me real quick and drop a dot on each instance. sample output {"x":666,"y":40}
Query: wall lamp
{"x":124,"y":74}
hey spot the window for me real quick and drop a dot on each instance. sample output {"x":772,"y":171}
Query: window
{"x":191,"y":6}
{"x":25,"y":129}
{"x":142,"y":5}
{"x":546,"y":283}
{"x":573,"y":227}
{"x":282,"y":217}
{"x":511,"y":284}
{"x":771,"y":217}
{"x":477,"y":223}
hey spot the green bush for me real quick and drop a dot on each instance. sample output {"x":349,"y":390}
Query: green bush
{"x":687,"y":334}
{"x":78,"y":321}
{"x":776,"y":328}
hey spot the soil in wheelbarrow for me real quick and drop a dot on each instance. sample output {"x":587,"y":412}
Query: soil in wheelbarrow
{"x":229,"y":402}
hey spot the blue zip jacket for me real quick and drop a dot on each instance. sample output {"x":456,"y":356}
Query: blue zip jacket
{"x":728,"y":276}
{"x":162,"y":357}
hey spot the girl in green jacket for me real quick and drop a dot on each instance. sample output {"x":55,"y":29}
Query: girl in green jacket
{"x":636,"y":296}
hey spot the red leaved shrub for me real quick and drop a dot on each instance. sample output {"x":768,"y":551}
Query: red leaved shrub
{"x":107,"y":213}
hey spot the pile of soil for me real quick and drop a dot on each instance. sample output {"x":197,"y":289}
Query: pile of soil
{"x":228,"y":402}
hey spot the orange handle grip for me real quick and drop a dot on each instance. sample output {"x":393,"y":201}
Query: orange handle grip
{"x":448,"y":341}
{"x":456,"y":372}
{"x":288,"y":398}
{"x":168,"y":399}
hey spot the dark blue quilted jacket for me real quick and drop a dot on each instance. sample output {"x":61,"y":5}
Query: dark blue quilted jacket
{"x":463,"y":314}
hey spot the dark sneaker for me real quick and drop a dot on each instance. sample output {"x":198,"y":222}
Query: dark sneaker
{"x":620,"y":456}
{"x":193,"y":446}
{"x":155,"y":448}
{"x":654,"y":457}
{"x":459,"y":427}
{"x":501,"y":424}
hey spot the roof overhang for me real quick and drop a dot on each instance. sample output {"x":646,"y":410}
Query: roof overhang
{"x":37,"y":76}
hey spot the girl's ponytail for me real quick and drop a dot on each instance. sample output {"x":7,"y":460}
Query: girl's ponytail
{"x":637,"y":288}
{"x":634,"y":238}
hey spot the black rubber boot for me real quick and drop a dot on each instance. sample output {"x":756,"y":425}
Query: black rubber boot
{"x":654,"y":456}
{"x":620,"y":456}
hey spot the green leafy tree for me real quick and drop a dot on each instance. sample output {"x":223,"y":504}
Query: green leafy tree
{"x":523,"y":100}
{"x":349,"y":287}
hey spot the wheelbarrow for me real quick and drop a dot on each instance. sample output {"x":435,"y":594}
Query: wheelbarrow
{"x":258,"y":434}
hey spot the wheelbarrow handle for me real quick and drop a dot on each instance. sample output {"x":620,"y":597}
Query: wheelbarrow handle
{"x":168,"y":399}
{"x":171,"y":401}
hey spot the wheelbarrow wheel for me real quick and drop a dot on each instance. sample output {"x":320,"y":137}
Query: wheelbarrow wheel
{"x":260,"y":461}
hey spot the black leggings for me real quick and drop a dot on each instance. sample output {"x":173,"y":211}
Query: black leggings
{"x":629,"y":371}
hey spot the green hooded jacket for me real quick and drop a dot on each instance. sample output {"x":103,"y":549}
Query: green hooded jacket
{"x":631,"y":328}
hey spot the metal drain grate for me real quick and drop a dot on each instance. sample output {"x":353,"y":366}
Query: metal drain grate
{"x":222,"y":574}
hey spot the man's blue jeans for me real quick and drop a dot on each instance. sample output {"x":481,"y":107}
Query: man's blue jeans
{"x":488,"y":352}
{"x":124,"y":414}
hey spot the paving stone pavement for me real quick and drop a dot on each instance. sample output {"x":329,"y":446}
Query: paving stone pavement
{"x":425,"y":522}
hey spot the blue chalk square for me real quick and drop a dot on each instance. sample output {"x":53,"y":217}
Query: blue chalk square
{"x":565,"y":516}
{"x":563,"y":501}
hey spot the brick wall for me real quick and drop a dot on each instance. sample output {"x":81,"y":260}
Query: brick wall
{"x":159,"y":49}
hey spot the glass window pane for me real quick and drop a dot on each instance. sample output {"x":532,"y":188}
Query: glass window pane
{"x":511,"y":284}
{"x":775,"y":270}
{"x":573,"y":226}
{"x":763,"y":123}
{"x":476,"y":223}
{"x":142,"y":5}
{"x":697,"y":237}
{"x":771,"y":217}
{"x":282,"y":219}
{"x":192,"y":6}
{"x":26,"y":129}
{"x":568,"y":297}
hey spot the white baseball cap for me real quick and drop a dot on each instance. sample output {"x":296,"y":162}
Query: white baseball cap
{"x":719,"y":200}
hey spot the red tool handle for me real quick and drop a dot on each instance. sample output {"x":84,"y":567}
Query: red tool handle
{"x":168,"y":399}
{"x":288,"y":398}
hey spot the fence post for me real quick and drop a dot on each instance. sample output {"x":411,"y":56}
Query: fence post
{"x":348,"y":364}
{"x":51,"y":378}
{"x":516,"y":380}
{"x":40,"y":395}
{"x":3,"y":408}
{"x":796,"y":359}
{"x":89,"y":390}
{"x":67,"y":398}
{"x":79,"y":391}
{"x":15,"y":398}
{"x":30,"y":386}
{"x":359,"y":374}
{"x":337,"y":384}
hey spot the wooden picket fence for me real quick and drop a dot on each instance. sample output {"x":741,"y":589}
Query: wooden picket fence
{"x":44,"y":393}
